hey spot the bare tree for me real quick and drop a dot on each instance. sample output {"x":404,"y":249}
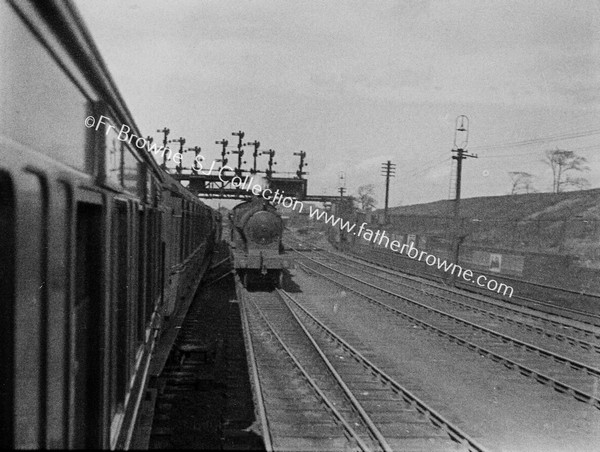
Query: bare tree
{"x":522,"y":182}
{"x":365,"y":197}
{"x":563,"y":164}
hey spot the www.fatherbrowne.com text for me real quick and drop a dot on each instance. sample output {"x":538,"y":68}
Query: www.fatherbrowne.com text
{"x":382,"y":239}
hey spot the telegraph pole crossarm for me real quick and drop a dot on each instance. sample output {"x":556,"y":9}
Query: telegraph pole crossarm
{"x":197,"y":150}
{"x":301,"y":165}
{"x":239,"y":152}
{"x":224,"y":152}
{"x":165,"y":131}
{"x":271,"y":153}
{"x":255,"y":154}
{"x":181,"y":142}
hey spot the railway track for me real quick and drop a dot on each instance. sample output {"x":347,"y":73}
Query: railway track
{"x":439,"y":296}
{"x":585,"y":330}
{"x":565,"y":360}
{"x":317,"y":392}
{"x":385,"y":259}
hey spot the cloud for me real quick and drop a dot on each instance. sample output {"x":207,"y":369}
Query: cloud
{"x":407,"y":51}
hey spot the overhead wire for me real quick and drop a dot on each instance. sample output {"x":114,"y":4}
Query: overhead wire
{"x":529,"y":154}
{"x":539,"y":140}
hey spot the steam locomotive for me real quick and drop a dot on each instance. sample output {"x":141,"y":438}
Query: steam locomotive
{"x":256,"y":238}
{"x":100,"y":250}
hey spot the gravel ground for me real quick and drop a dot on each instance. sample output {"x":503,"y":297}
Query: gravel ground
{"x":503,"y":409}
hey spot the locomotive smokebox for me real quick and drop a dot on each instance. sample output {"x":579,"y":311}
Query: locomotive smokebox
{"x":263,"y":228}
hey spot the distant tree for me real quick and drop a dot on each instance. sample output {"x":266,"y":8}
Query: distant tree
{"x":563,"y":164}
{"x":365,"y":197}
{"x":522,"y":182}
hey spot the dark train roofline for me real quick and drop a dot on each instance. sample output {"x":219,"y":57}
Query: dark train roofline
{"x":69,"y":30}
{"x":61,"y":29}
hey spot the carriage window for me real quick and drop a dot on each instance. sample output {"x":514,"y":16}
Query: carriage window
{"x":7,"y":291}
{"x":122,"y":167}
{"x":142,"y":262}
{"x":87,"y":320}
{"x":151,"y":263}
{"x":114,"y":153}
{"x":42,"y":109}
{"x":148,"y":189}
{"x":120,"y":311}
{"x":131,"y":173}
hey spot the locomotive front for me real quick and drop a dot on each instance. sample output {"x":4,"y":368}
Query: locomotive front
{"x":257,"y":241}
{"x":263,"y":228}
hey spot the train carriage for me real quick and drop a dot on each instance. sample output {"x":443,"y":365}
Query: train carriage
{"x":100,"y":250}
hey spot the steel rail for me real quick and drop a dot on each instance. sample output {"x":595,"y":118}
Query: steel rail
{"x":347,"y":427}
{"x":588,"y":346}
{"x":432,"y":415}
{"x":531,"y":283}
{"x":495,"y":301}
{"x":559,"y":386}
{"x":560,"y":358}
{"x":264,"y":421}
{"x":429,"y":280}
{"x":363,"y":414}
{"x":526,"y":299}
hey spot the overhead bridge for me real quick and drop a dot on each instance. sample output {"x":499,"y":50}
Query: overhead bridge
{"x":235,"y":186}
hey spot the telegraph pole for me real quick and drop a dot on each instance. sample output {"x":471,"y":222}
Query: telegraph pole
{"x":166,"y":132}
{"x":239,"y":152}
{"x":223,"y":159}
{"x":461,"y":140}
{"x":302,"y":155}
{"x":196,"y":150}
{"x":256,"y":145}
{"x":339,"y":212}
{"x":342,"y":190}
{"x":388,"y":169}
{"x":271,"y":153}
{"x":181,"y":142}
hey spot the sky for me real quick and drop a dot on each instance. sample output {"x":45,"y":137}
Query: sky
{"x":357,"y":83}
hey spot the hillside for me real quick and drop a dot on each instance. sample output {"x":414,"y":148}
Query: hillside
{"x":583,"y":204}
{"x":565,"y":223}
